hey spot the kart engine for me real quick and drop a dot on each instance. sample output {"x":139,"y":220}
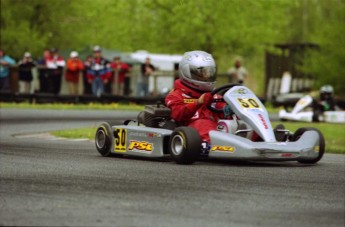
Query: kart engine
{"x":156,"y":116}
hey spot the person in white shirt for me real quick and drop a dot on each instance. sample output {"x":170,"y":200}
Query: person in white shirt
{"x":55,"y":64}
{"x":237,"y":74}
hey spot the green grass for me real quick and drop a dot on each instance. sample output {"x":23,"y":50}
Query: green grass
{"x":334,"y":133}
{"x":79,"y":133}
{"x":63,"y":106}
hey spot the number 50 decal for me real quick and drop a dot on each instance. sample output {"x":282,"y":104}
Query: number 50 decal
{"x":248,"y":103}
{"x":120,"y":138}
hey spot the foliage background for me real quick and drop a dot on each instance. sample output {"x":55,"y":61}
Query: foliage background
{"x":228,"y":29}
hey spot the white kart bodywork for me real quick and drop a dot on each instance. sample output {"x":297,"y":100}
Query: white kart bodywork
{"x":300,"y":112}
{"x":253,"y":114}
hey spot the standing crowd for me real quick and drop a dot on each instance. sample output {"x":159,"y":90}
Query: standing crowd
{"x":97,"y":74}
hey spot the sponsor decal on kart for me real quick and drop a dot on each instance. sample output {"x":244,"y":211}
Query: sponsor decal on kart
{"x":152,"y":134}
{"x":262,"y":119}
{"x":222,"y":127}
{"x":286,"y":155}
{"x":301,"y":102}
{"x":120,"y":140}
{"x":144,"y":134}
{"x":223,"y":148}
{"x":140,"y":146}
{"x":242,"y":91}
{"x":248,"y":103}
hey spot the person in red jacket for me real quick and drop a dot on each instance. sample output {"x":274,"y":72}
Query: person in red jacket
{"x":120,"y":69}
{"x":191,"y":95}
{"x":74,"y":67}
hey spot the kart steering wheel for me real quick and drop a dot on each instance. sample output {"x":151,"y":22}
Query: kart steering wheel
{"x":221,"y":90}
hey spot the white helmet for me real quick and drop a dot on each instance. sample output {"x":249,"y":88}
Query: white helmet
{"x":74,"y":54}
{"x":326,"y":89}
{"x":197,"y":70}
{"x":326,"y":92}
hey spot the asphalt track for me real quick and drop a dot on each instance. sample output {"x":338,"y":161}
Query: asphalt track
{"x":46,"y":182}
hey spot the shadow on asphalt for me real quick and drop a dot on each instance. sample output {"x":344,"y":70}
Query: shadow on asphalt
{"x":213,"y":161}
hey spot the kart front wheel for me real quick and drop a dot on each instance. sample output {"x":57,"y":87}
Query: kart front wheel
{"x":320,"y":148}
{"x":103,"y":139}
{"x":279,"y":133}
{"x":185,"y":145}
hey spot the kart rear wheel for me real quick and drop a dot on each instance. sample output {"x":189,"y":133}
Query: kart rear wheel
{"x":321,"y":146}
{"x":185,"y":145}
{"x":103,"y":139}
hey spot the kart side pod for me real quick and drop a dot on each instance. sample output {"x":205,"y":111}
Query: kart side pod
{"x":236,"y":147}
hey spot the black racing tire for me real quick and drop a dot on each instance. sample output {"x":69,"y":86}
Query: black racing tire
{"x":185,"y":145}
{"x":280,"y":136}
{"x":104,"y":139}
{"x":322,"y":144}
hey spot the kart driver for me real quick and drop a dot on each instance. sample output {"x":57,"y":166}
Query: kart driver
{"x":191,"y":95}
{"x":326,"y":102}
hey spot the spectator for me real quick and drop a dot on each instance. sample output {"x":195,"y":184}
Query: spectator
{"x":99,"y":73}
{"x":5,"y":63}
{"x":55,"y":64}
{"x":119,"y":74}
{"x":43,"y":72}
{"x":25,"y":73}
{"x":147,"y":70}
{"x":87,"y":65}
{"x":238,"y":73}
{"x":74,"y":67}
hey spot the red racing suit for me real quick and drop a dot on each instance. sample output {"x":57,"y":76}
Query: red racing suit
{"x":186,"y":111}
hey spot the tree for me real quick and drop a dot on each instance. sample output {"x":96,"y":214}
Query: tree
{"x":323,"y":24}
{"x":225,"y":28}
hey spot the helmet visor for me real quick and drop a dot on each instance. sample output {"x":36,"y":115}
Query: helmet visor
{"x":204,"y":74}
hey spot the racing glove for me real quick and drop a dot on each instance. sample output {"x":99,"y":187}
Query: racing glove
{"x":227,"y":111}
{"x":205,"y":99}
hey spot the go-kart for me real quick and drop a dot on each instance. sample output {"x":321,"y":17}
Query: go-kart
{"x":301,"y":112}
{"x":154,"y":134}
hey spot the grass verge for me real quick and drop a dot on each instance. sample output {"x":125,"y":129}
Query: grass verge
{"x":79,"y":133}
{"x":64,"y":106}
{"x":334,"y":133}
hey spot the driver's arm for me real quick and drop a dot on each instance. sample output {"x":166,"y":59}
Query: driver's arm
{"x":181,"y":111}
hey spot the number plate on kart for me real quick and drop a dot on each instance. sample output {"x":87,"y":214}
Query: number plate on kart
{"x":248,"y":103}
{"x":120,"y":140}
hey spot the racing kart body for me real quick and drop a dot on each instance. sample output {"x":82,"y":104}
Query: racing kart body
{"x":154,"y":134}
{"x":302,"y":112}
